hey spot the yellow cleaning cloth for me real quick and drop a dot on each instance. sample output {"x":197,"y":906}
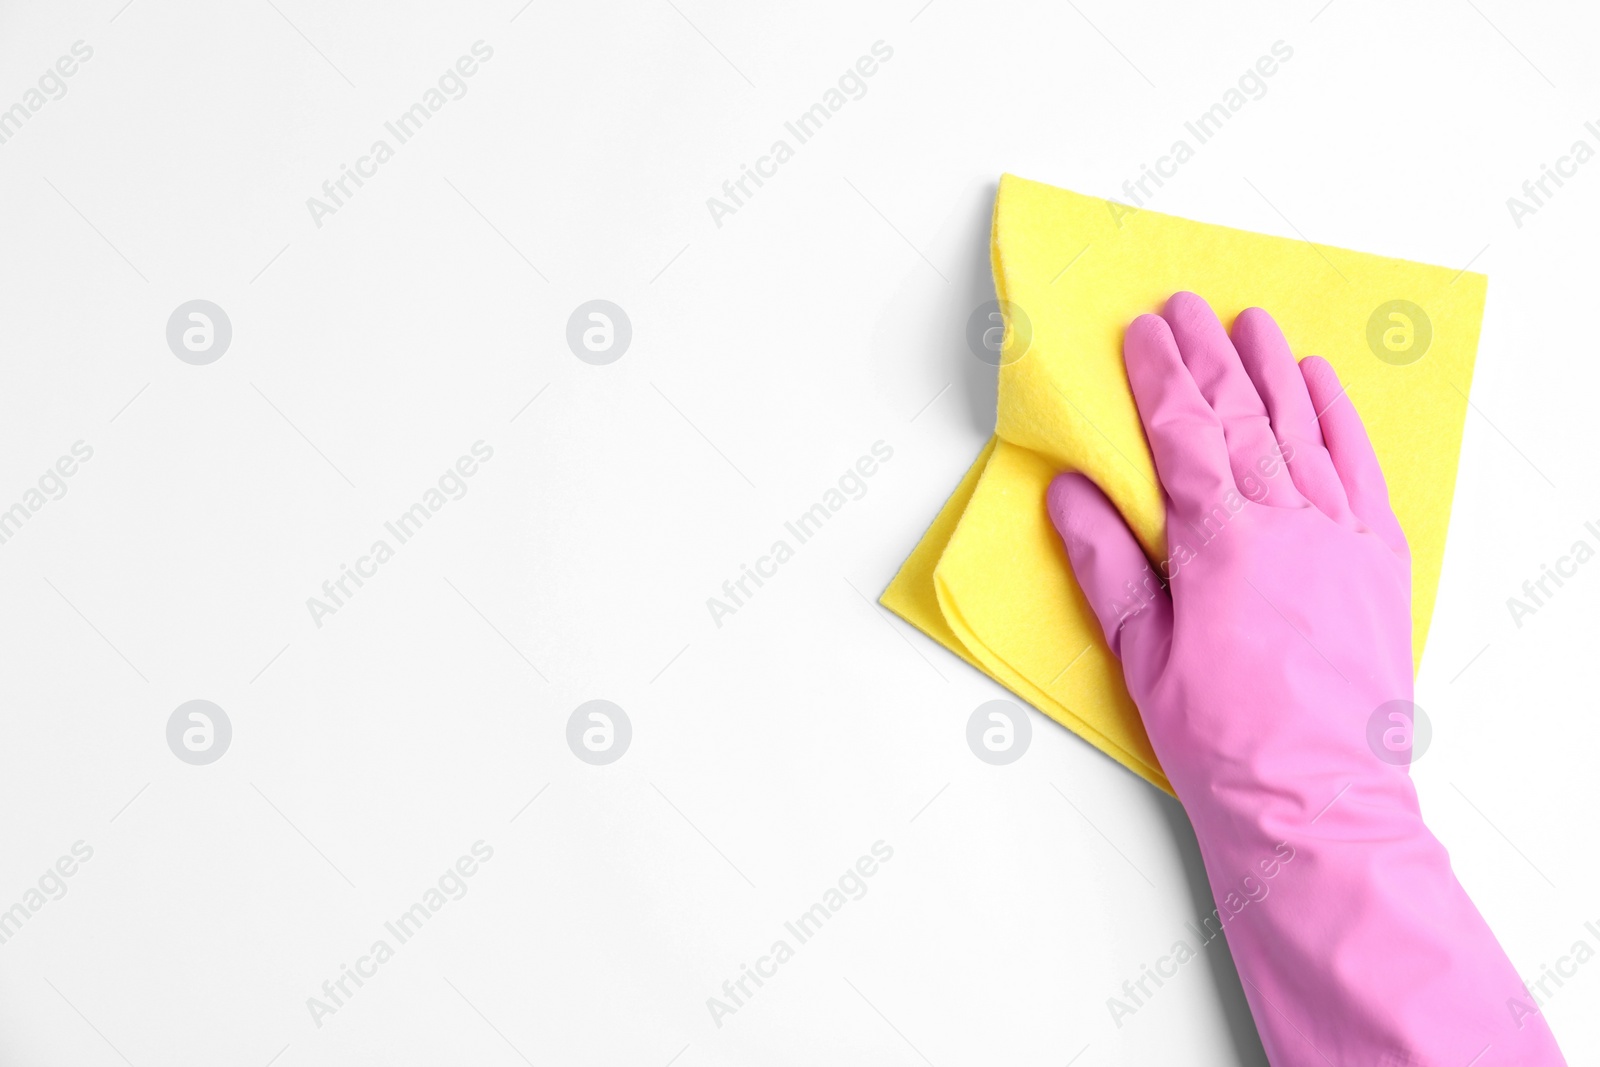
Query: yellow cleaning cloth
{"x":990,"y":580}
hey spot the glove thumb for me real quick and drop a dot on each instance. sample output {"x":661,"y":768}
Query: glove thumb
{"x":1124,"y":591}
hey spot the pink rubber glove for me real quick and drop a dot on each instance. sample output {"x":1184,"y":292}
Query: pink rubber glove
{"x":1286,"y":624}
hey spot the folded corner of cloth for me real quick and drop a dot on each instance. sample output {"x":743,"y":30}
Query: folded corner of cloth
{"x":990,"y":580}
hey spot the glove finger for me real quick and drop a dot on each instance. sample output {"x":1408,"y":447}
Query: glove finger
{"x":1271,"y":366}
{"x":1220,"y":375}
{"x":1351,"y":452}
{"x":1122,"y":588}
{"x":1185,"y":435}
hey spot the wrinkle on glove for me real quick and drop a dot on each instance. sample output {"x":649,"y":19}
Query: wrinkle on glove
{"x":990,"y":580}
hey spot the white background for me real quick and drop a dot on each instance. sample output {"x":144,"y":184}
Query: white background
{"x":768,"y":354}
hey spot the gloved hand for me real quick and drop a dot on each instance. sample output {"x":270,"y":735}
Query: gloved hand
{"x":1277,"y":627}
